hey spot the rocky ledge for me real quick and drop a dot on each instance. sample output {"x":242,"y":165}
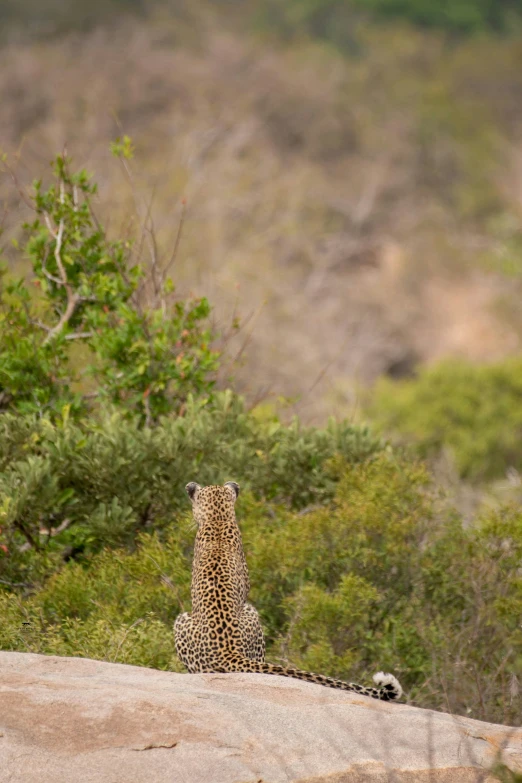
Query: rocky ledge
{"x":74,"y":720}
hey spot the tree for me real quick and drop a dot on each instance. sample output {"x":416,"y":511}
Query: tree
{"x":91,"y":300}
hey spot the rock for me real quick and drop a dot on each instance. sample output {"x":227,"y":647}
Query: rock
{"x":74,"y":720}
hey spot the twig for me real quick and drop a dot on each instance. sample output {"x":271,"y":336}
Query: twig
{"x":66,"y":317}
{"x":4,"y":217}
{"x":165,"y":579}
{"x":50,"y":277}
{"x":122,"y":641}
{"x":263,"y":393}
{"x":73,"y":298}
{"x":51,"y":532}
{"x":176,"y":244}
{"x":148,"y":414}
{"x":78,"y":335}
{"x":322,"y":374}
{"x":15,"y":584}
{"x":153,"y":248}
{"x":31,"y":541}
{"x":17,"y":184}
{"x":253,"y":317}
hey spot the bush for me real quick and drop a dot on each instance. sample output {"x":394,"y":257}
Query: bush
{"x":470,"y":409}
{"x":387,"y":578}
{"x":106,"y":479}
{"x":381,"y":577}
{"x":118,"y":609}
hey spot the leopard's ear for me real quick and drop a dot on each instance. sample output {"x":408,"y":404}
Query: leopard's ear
{"x":234,"y":487}
{"x":191,"y":488}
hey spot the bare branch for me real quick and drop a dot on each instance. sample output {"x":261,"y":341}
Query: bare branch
{"x":56,"y":530}
{"x":153,"y":248}
{"x":31,"y":540}
{"x":15,"y":584}
{"x":148,"y":414}
{"x":49,"y":532}
{"x":73,"y":298}
{"x":25,"y":198}
{"x":176,"y":244}
{"x":253,"y":318}
{"x":166,"y":580}
{"x":66,"y":317}
{"x":79,"y":335}
{"x":58,"y":250}
{"x":51,"y":277}
{"x":49,"y":225}
{"x":124,"y":637}
{"x":5,"y":212}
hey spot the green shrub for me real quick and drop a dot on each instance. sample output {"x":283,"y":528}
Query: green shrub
{"x":107,"y":479}
{"x":117,"y":609}
{"x":381,"y":577}
{"x":473,"y":410}
{"x":385,"y":577}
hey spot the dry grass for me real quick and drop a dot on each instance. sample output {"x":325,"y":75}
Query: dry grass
{"x":341,"y":207}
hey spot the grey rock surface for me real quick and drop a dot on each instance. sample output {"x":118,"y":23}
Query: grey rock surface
{"x":74,"y":720}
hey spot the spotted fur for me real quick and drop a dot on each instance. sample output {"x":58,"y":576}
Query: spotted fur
{"x":223,"y":633}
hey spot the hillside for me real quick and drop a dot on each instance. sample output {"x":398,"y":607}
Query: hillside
{"x":365,"y":205}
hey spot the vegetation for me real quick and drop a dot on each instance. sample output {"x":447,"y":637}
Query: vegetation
{"x":472,"y":410}
{"x":378,"y":191}
{"x":354,"y":559}
{"x":335,"y":20}
{"x":99,"y":466}
{"x":89,"y":292}
{"x":56,"y":16}
{"x":107,"y":478}
{"x":373,"y":199}
{"x":322,"y":18}
{"x":381,"y":576}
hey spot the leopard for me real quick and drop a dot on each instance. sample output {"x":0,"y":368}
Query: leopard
{"x":224,"y":632}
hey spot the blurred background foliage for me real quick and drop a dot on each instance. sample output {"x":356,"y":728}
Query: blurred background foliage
{"x":377,"y":186}
{"x":322,"y":18}
{"x":473,"y":411}
{"x":304,"y":273}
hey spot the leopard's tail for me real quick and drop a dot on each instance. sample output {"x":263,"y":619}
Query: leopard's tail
{"x":388,"y":686}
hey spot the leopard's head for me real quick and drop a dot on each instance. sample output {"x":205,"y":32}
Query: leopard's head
{"x":213,"y":504}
